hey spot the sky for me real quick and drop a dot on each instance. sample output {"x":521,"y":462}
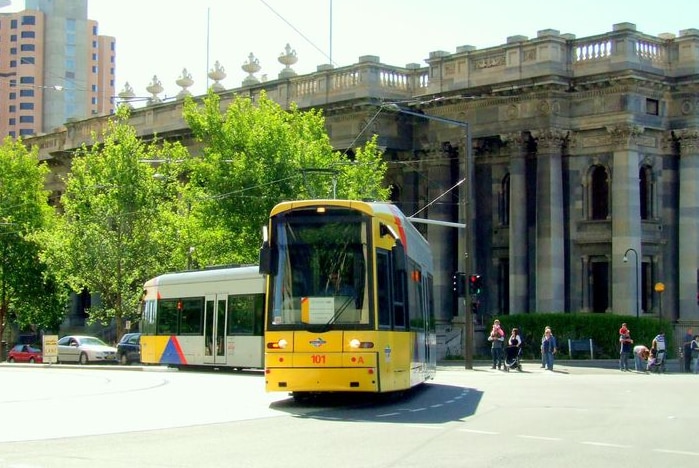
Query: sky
{"x":162,"y":37}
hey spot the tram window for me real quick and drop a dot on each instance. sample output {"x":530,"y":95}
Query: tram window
{"x":399,"y":298}
{"x":148,"y":317}
{"x":241,"y":315}
{"x":383,"y":289}
{"x":415,"y":299}
{"x":167,"y":317}
{"x":191,"y":316}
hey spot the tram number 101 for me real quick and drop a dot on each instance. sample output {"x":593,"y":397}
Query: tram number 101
{"x":318,"y":358}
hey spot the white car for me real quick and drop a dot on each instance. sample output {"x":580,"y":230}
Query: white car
{"x":84,"y":350}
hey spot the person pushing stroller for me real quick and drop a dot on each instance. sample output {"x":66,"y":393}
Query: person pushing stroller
{"x":513,"y":351}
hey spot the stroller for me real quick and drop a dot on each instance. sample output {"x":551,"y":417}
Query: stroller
{"x":656,"y":361}
{"x":513,"y":356}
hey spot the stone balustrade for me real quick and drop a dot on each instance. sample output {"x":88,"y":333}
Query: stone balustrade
{"x":549,"y":59}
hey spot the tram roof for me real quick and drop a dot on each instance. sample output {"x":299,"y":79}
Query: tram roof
{"x":207,"y":274}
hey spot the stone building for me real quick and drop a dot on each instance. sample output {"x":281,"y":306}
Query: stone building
{"x":584,"y":157}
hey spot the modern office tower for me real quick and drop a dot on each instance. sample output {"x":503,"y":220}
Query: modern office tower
{"x":54,"y":67}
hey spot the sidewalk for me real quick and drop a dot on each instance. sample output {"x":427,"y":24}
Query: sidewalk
{"x":672,"y":365}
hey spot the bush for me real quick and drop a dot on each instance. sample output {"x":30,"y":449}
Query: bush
{"x":602,"y":328}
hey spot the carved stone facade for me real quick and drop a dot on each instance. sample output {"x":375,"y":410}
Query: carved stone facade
{"x":586,"y":164}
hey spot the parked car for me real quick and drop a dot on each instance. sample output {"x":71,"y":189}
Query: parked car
{"x":129,"y":348}
{"x":84,"y":350}
{"x":25,"y":353}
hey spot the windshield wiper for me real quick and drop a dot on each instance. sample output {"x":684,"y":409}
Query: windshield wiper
{"x":345,"y":305}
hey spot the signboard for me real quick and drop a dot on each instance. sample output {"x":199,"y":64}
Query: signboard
{"x":50,"y":348}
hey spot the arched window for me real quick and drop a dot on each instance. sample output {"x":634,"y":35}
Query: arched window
{"x":645,"y":180}
{"x":505,"y":201}
{"x":599,"y":193}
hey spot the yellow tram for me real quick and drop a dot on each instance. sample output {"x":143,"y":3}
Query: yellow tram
{"x":349,"y":305}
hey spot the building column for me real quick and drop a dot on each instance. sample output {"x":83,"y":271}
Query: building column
{"x":550,"y":252}
{"x":688,"y":268}
{"x":626,"y":218}
{"x":518,"y":251}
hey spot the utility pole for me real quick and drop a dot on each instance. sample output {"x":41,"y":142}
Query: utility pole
{"x":466,"y":194}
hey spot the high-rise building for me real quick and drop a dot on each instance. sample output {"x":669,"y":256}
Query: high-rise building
{"x":54,"y":67}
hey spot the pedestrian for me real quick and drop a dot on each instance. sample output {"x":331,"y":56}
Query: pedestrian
{"x":624,"y":330}
{"x":497,"y":338}
{"x":543,"y":356}
{"x":640,"y":354}
{"x":514,"y":339}
{"x":625,"y":342}
{"x":695,"y":353}
{"x":548,"y":348}
{"x":657,"y":353}
{"x":687,"y":350}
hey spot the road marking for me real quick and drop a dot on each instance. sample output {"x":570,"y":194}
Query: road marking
{"x":605,"y":444}
{"x":386,"y":414}
{"x":436,"y":406}
{"x":424,"y":426}
{"x":677,"y":452}
{"x":553,"y":439}
{"x":475,"y":431}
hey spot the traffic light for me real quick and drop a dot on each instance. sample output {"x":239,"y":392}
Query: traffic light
{"x":475,"y":284}
{"x":459,"y":284}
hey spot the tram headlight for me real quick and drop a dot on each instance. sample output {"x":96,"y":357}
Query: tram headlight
{"x":281,"y":344}
{"x":357,"y":344}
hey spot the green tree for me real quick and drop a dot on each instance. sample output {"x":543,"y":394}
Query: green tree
{"x":28,"y":292}
{"x":256,"y":154}
{"x":123,"y":222}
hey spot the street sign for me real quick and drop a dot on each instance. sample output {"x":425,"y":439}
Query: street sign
{"x":50,"y":349}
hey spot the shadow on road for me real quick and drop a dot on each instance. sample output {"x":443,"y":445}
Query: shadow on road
{"x":427,"y":404}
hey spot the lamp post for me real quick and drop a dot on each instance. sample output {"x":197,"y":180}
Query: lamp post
{"x":638,"y":289}
{"x":466,"y":195}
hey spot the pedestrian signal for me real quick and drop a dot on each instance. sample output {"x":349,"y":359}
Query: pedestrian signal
{"x":459,"y":284}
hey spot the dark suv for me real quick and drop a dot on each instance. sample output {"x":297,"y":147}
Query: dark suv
{"x":129,"y":348}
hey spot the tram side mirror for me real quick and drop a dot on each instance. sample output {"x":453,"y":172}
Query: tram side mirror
{"x":398,"y":253}
{"x":266,"y":260}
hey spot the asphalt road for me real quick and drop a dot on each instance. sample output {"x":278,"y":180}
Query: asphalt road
{"x":64,"y":416}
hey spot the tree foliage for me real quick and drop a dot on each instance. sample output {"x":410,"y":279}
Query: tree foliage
{"x":28,"y":293}
{"x":256,"y":154}
{"x":121,"y":224}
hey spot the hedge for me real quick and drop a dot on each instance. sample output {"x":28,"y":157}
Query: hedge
{"x":602,"y":328}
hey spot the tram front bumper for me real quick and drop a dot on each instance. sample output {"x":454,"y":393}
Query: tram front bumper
{"x":354,"y":379}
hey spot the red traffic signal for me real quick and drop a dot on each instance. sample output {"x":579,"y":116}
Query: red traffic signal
{"x":475,"y":284}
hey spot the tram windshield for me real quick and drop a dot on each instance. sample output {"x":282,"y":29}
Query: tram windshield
{"x":321,"y":275}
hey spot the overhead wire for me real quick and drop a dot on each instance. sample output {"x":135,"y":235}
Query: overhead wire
{"x":297,"y":31}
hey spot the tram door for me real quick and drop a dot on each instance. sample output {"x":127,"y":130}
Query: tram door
{"x":215,"y":329}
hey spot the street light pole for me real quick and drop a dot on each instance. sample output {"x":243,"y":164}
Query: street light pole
{"x":660,"y":289}
{"x":466,"y":196}
{"x":638,"y":289}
